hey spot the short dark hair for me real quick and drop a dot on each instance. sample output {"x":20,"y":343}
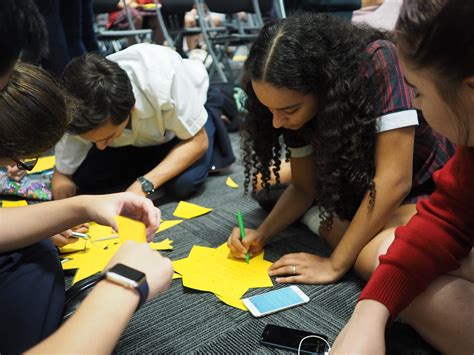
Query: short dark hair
{"x":33,"y":115}
{"x":100,"y":91}
{"x":22,"y":28}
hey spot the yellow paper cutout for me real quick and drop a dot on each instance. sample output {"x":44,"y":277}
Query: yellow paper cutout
{"x":233,"y":301}
{"x":231,"y":183}
{"x":129,"y":229}
{"x":9,"y":204}
{"x":96,"y":253}
{"x":164,"y":225}
{"x":98,"y":231}
{"x":96,"y":260}
{"x":44,"y":163}
{"x":214,"y":270}
{"x":176,"y":276}
{"x":163,"y":245}
{"x":188,"y":210}
{"x":78,"y":245}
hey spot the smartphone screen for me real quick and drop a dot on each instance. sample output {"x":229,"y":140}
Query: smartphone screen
{"x":289,"y":339}
{"x":275,"y":300}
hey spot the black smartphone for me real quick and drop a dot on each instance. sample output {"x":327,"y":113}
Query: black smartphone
{"x":289,"y":339}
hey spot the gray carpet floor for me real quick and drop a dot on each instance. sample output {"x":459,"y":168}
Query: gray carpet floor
{"x":187,"y":321}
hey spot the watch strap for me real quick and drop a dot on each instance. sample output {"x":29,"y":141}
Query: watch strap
{"x":142,"y":288}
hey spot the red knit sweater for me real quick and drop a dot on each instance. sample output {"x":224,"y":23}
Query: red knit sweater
{"x":433,"y":242}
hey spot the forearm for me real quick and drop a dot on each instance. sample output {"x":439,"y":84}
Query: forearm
{"x":180,"y":157}
{"x":368,"y":221}
{"x":23,"y":226}
{"x":62,"y":186}
{"x":101,"y":320}
{"x":291,"y":206}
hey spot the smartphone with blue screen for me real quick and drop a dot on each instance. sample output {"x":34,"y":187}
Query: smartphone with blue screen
{"x":276,"y":300}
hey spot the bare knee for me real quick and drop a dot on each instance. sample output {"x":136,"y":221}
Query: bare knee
{"x":466,"y":270}
{"x":368,"y":258}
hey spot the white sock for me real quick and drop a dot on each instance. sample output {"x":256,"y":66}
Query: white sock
{"x":312,"y":220}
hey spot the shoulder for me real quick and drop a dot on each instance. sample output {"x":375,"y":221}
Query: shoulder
{"x":149,"y":58}
{"x":384,"y":56}
{"x":143,"y":50}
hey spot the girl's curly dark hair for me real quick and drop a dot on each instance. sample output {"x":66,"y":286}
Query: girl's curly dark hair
{"x":329,"y":58}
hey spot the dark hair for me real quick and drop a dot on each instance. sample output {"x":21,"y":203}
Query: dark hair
{"x":438,"y":36}
{"x":100,"y":91}
{"x":22,"y":28}
{"x":33,"y":115}
{"x":329,"y":58}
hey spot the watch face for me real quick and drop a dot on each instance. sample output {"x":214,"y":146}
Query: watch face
{"x":128,"y":272}
{"x":147,"y":186}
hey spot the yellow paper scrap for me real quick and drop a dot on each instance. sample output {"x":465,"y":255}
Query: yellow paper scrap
{"x":44,"y":163}
{"x":98,"y":231}
{"x":95,"y":262}
{"x":231,"y":183}
{"x":99,"y":249}
{"x":188,"y":210}
{"x":164,"y":225}
{"x":176,"y":276}
{"x":8,"y":204}
{"x":163,"y":245}
{"x":129,"y":229}
{"x":78,"y":245}
{"x":214,"y":270}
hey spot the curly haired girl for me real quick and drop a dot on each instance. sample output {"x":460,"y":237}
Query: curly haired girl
{"x":360,"y":155}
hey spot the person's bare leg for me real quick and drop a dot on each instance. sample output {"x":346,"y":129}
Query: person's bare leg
{"x":189,"y":22}
{"x":368,"y":258}
{"x":444,"y":315}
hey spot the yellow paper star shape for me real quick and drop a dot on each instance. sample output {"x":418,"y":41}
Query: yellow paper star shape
{"x":92,"y":255}
{"x":214,"y":270}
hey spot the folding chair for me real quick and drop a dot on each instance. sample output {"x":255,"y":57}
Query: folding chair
{"x":280,"y":8}
{"x":342,"y":8}
{"x":170,"y":16}
{"x":236,"y":32}
{"x":114,"y":37}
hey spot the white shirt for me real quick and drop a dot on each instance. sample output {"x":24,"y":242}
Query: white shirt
{"x":170,"y":93}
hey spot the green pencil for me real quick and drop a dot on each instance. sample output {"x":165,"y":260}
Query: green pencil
{"x":242,"y":232}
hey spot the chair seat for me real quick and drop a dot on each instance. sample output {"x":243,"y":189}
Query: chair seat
{"x":121,"y":34}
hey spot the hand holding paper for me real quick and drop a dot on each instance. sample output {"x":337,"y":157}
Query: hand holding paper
{"x":104,"y":208}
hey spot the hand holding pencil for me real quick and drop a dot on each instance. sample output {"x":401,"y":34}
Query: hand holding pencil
{"x":251,"y":244}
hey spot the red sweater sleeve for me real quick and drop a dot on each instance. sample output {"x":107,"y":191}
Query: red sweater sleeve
{"x":433,"y":242}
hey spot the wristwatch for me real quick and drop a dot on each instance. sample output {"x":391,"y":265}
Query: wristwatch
{"x":130,"y":278}
{"x":147,"y":185}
